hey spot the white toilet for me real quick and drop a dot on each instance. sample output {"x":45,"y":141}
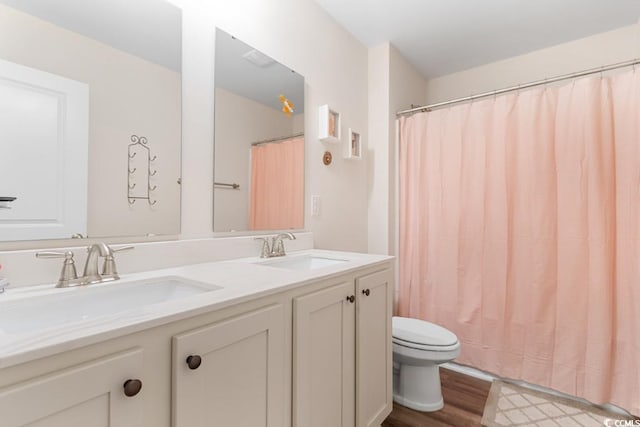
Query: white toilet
{"x":418,"y":348}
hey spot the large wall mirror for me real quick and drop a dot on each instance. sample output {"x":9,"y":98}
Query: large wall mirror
{"x":90,"y":118}
{"x":259,"y":140}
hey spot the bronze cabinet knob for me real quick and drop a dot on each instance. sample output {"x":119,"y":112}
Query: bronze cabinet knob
{"x":194,"y":361}
{"x":351,"y":298}
{"x":327,"y":158}
{"x":366,"y":292}
{"x":132,"y":387}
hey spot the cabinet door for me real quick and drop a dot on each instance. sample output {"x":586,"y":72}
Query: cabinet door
{"x":324,"y":358}
{"x":374,"y":363}
{"x":88,"y":395}
{"x":240,"y":381}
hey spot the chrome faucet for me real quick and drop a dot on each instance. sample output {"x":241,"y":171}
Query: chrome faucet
{"x":276,"y":248}
{"x":90,"y":274}
{"x":109,"y":270}
{"x":277,"y":245}
{"x":69,"y":276}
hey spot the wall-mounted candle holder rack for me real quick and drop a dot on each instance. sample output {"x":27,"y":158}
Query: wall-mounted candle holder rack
{"x":138,"y":183}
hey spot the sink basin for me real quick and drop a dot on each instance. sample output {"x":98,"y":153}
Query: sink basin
{"x":87,"y":303}
{"x":303,"y":262}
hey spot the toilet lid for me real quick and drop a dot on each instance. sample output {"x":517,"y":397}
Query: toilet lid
{"x":421,"y":332}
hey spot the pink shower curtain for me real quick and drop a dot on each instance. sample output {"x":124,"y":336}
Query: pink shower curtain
{"x":520,"y":232}
{"x":277,"y":186}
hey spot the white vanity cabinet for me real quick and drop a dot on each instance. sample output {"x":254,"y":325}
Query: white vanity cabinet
{"x":374,"y":357}
{"x":92,"y":394}
{"x":316,"y":352}
{"x":342,"y":360}
{"x":324,"y":357}
{"x":231,"y":373}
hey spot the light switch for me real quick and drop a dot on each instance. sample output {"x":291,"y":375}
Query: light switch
{"x":315,"y":205}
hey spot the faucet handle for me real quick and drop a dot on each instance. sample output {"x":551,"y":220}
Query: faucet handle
{"x":68,"y":274}
{"x":3,"y":284}
{"x":53,"y":254}
{"x":109,"y":270}
{"x":265,"y":250}
{"x":278,"y":247}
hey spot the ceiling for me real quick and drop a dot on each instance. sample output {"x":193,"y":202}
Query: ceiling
{"x":150,"y":29}
{"x":440,"y":37}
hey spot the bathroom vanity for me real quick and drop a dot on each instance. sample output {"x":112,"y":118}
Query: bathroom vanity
{"x":302,"y":340}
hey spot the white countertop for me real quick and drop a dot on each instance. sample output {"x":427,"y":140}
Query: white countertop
{"x":240,"y":280}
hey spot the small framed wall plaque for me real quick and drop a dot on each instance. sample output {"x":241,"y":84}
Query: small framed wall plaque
{"x":354,"y":147}
{"x":328,"y":125}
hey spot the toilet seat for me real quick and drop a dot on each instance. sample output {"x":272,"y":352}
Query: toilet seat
{"x":426,"y":347}
{"x":421,"y":335}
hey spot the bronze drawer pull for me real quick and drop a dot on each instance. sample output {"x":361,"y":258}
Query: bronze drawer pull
{"x":132,"y":387}
{"x":194,"y":361}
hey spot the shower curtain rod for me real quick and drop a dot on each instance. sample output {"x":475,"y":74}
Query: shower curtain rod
{"x":430,"y":107}
{"x":282,"y":138}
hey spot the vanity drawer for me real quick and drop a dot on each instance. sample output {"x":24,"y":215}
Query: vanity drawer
{"x":101,"y":393}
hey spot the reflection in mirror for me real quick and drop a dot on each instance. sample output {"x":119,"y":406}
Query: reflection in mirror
{"x":77,"y":79}
{"x":259,"y":140}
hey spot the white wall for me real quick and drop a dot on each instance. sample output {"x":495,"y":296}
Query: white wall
{"x":127,"y":95}
{"x":240,"y":121}
{"x":601,"y":49}
{"x":378,"y":147}
{"x":303,"y":36}
{"x":407,"y":87}
{"x":394,"y":84}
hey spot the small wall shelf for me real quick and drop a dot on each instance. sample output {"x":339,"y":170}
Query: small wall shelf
{"x":354,"y":146}
{"x":328,"y":125}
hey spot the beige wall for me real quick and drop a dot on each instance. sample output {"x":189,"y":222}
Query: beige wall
{"x":407,"y":87}
{"x":394,"y":84}
{"x":301,"y":35}
{"x":128,"y":95}
{"x":601,"y":49}
{"x":377,"y":151}
{"x":240,"y":121}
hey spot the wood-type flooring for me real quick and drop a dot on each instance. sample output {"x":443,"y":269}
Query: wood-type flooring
{"x":464,"y":399}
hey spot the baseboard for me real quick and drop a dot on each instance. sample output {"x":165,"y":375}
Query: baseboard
{"x":468,"y":370}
